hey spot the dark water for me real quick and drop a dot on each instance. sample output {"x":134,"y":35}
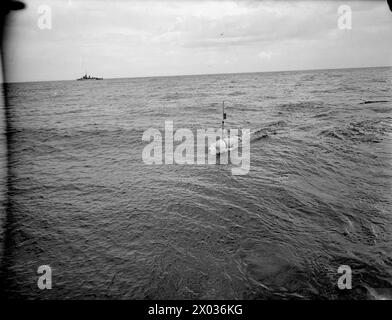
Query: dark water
{"x":317,"y":196}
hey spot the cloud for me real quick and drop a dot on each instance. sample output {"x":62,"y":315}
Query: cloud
{"x":144,"y":38}
{"x":265,"y":55}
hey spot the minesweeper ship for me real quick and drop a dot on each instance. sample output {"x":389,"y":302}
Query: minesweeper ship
{"x":86,"y":77}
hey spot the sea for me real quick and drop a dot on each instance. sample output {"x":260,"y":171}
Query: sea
{"x":315,"y":206}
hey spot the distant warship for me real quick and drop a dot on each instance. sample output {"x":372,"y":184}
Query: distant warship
{"x":86,"y":77}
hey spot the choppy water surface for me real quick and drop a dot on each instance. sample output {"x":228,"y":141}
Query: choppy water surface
{"x":318,"y":194}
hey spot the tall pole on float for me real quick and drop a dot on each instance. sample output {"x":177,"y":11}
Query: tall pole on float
{"x":223,"y":118}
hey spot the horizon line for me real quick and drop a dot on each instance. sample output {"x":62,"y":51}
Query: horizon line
{"x":204,"y":74}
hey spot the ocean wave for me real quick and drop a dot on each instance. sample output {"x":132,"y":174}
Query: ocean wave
{"x":317,"y":194}
{"x":302,"y":106}
{"x":361,"y":131}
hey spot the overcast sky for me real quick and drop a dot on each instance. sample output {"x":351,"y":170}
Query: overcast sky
{"x":154,"y":38}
